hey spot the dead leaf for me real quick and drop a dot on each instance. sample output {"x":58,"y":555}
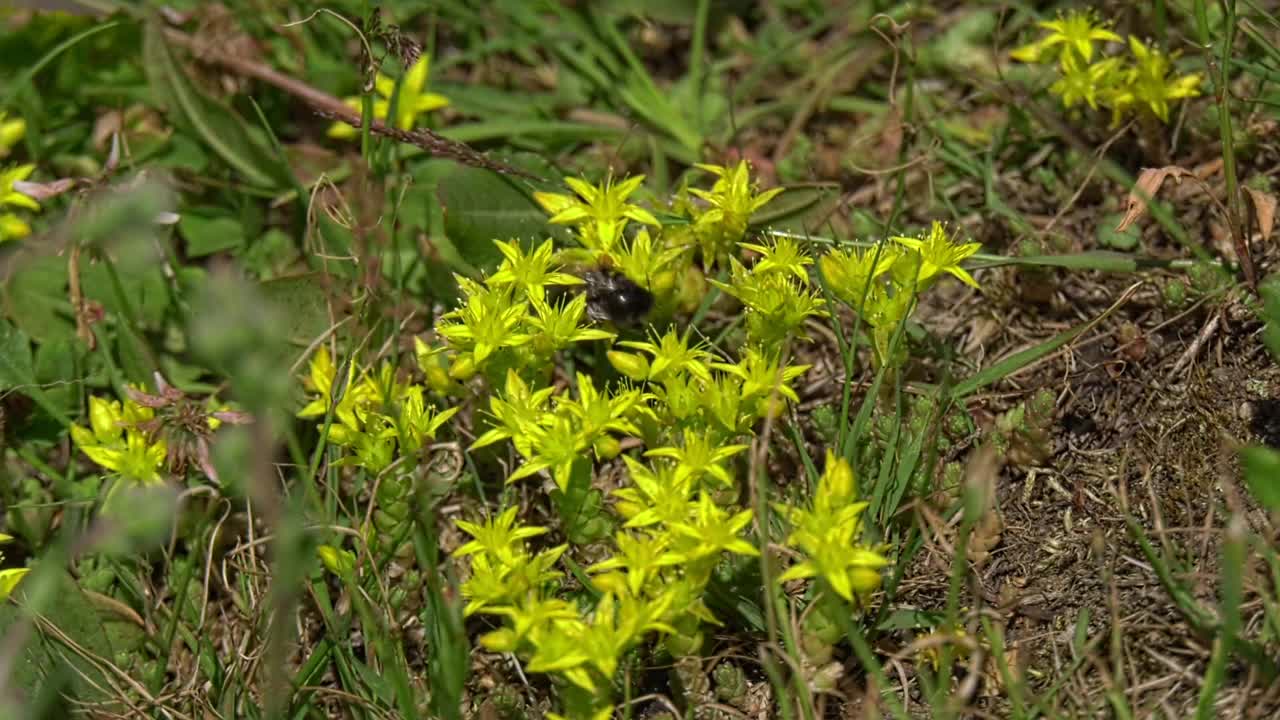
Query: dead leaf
{"x":1264,"y":211}
{"x":1206,"y":170}
{"x":115,"y":608}
{"x":41,"y":191}
{"x":1146,"y":187}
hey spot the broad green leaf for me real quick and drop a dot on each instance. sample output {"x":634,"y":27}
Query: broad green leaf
{"x":35,"y":298}
{"x":799,"y":208}
{"x":136,"y":361}
{"x":47,"y":658}
{"x":208,"y":234}
{"x":910,"y":619}
{"x":217,"y":125}
{"x":17,"y":370}
{"x":302,"y":301}
{"x":142,"y":292}
{"x":481,"y":206}
{"x":54,"y":367}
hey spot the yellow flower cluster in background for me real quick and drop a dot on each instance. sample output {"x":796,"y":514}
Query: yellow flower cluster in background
{"x":1144,"y":81}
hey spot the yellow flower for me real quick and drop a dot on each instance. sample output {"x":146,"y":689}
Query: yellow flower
{"x":9,"y":196}
{"x":13,"y":227}
{"x":9,"y":578}
{"x":938,"y":254}
{"x":1148,"y":82}
{"x":412,"y":101}
{"x":11,"y":131}
{"x":1074,"y":31}
{"x":1085,"y":82}
{"x":850,"y":273}
{"x":115,"y":441}
{"x":828,"y":535}
{"x":602,"y":212}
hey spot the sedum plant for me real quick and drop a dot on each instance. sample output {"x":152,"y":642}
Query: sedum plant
{"x":614,"y":569}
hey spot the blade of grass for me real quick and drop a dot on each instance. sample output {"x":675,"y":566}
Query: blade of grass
{"x":17,"y":83}
{"x":1020,"y":360}
{"x":1232,"y":584}
{"x":1222,"y":94}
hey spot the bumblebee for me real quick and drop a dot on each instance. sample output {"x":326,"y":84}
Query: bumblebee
{"x":613,"y":297}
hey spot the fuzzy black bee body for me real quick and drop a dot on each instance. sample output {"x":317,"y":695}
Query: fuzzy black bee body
{"x":613,"y":297}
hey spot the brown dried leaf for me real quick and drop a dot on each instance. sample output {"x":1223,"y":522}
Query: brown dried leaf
{"x":1147,"y":185}
{"x":41,"y":191}
{"x":1264,"y":211}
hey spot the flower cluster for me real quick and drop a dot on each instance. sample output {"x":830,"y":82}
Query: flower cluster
{"x":828,"y":534}
{"x":373,"y":415}
{"x":775,"y":292}
{"x":672,"y":433}
{"x":148,"y":437}
{"x":1142,"y":82}
{"x":599,"y":214}
{"x":511,"y":319}
{"x":116,"y":440}
{"x":733,"y":199}
{"x":653,"y":583}
{"x":883,"y":283}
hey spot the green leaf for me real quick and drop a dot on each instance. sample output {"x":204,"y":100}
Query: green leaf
{"x":481,"y":206}
{"x":143,"y":288}
{"x":302,"y":300}
{"x":1270,"y":291}
{"x":208,"y":234}
{"x":16,"y":84}
{"x":1022,"y":359}
{"x":47,"y":660}
{"x":910,"y":619}
{"x":35,"y":297}
{"x":799,"y":208}
{"x":17,"y":371}
{"x":15,"y":358}
{"x":1262,"y":475}
{"x":135,"y":361}
{"x":217,"y":125}
{"x":55,"y":367}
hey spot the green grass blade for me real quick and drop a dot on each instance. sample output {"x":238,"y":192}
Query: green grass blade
{"x":1020,"y":360}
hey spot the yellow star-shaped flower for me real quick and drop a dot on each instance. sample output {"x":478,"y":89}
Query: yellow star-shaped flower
{"x":938,"y":254}
{"x":412,"y":101}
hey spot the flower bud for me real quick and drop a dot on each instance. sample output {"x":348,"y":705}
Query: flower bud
{"x":607,"y":447}
{"x":339,"y":562}
{"x":633,"y":366}
{"x":463,"y":369}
